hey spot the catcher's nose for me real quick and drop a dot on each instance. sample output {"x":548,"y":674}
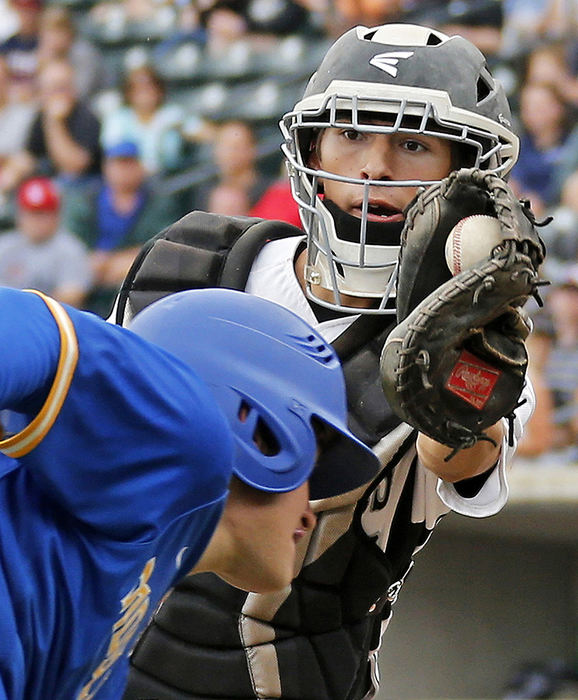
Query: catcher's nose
{"x":377,"y":159}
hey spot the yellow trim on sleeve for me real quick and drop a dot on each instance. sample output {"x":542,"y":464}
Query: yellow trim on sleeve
{"x":26,"y":440}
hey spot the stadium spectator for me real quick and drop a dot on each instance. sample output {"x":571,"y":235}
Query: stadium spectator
{"x":15,"y":117}
{"x":223,"y":27}
{"x":553,"y":346}
{"x":229,"y":200}
{"x":344,"y":14}
{"x":277,"y":19}
{"x":548,"y":148}
{"x":39,"y":253}
{"x":21,"y":49}
{"x":277,"y":203}
{"x":527,"y":22}
{"x":479,"y":22}
{"x":63,"y":140}
{"x":146,"y":118}
{"x":538,"y":437}
{"x":559,"y":20}
{"x":561,"y":368}
{"x":549,"y":64}
{"x":235,"y":158}
{"x":561,"y":235}
{"x":114,"y":218}
{"x":59,"y":38}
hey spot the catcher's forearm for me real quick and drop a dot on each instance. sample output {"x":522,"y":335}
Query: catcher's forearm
{"x":464,"y":464}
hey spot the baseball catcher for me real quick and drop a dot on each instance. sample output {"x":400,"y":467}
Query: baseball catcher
{"x":390,"y":112}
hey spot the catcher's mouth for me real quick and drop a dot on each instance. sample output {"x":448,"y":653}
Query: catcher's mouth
{"x":378,"y":211}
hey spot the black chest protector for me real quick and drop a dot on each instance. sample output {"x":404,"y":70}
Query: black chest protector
{"x":312,"y":642}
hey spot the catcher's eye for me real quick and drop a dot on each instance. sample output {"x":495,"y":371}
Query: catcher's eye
{"x":413,"y":146}
{"x":351,"y":134}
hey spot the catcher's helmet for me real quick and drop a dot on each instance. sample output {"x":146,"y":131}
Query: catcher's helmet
{"x":410,"y":79}
{"x":271,"y":373}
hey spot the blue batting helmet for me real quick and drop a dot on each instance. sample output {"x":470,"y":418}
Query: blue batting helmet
{"x":269,"y":372}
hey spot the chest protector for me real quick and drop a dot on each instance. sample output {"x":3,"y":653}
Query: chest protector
{"x":314,"y":640}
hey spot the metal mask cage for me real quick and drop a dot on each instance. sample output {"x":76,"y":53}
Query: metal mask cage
{"x":408,"y":115}
{"x":319,"y":226}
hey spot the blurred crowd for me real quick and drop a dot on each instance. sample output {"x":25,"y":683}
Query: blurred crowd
{"x":119,"y":116}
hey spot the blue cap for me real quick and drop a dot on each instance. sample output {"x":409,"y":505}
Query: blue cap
{"x":123,"y":149}
{"x":267,"y":368}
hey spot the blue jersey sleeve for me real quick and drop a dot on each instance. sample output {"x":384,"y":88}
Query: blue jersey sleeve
{"x":134,"y":438}
{"x":30,"y":348}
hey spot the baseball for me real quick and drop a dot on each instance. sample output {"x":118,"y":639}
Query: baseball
{"x":472,"y":239}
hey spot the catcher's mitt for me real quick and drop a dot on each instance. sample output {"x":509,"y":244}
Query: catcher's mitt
{"x":456,"y":362}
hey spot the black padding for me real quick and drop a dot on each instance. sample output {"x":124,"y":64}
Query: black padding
{"x":199,"y":250}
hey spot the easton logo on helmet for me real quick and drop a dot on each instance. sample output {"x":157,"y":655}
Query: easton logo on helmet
{"x":388,"y":61}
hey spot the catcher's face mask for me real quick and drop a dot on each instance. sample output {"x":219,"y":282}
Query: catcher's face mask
{"x":393,"y":79}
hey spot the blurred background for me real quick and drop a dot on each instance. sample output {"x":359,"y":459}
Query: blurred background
{"x":172,"y":105}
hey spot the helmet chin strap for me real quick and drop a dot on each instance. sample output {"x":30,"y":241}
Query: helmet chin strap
{"x":348,"y":227}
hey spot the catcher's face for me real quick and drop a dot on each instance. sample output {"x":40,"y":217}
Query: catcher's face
{"x":377,"y":156}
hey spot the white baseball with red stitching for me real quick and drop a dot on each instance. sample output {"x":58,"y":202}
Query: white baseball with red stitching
{"x":472,"y":239}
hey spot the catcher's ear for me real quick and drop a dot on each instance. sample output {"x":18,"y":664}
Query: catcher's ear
{"x":314,"y":161}
{"x":314,"y":154}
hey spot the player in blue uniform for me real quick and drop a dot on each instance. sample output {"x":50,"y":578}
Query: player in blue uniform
{"x":140,"y":463}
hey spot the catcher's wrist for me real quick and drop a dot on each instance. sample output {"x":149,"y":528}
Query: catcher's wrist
{"x":466,"y":463}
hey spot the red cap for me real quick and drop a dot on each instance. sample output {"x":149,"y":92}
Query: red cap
{"x":36,"y":4}
{"x":38,"y":194}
